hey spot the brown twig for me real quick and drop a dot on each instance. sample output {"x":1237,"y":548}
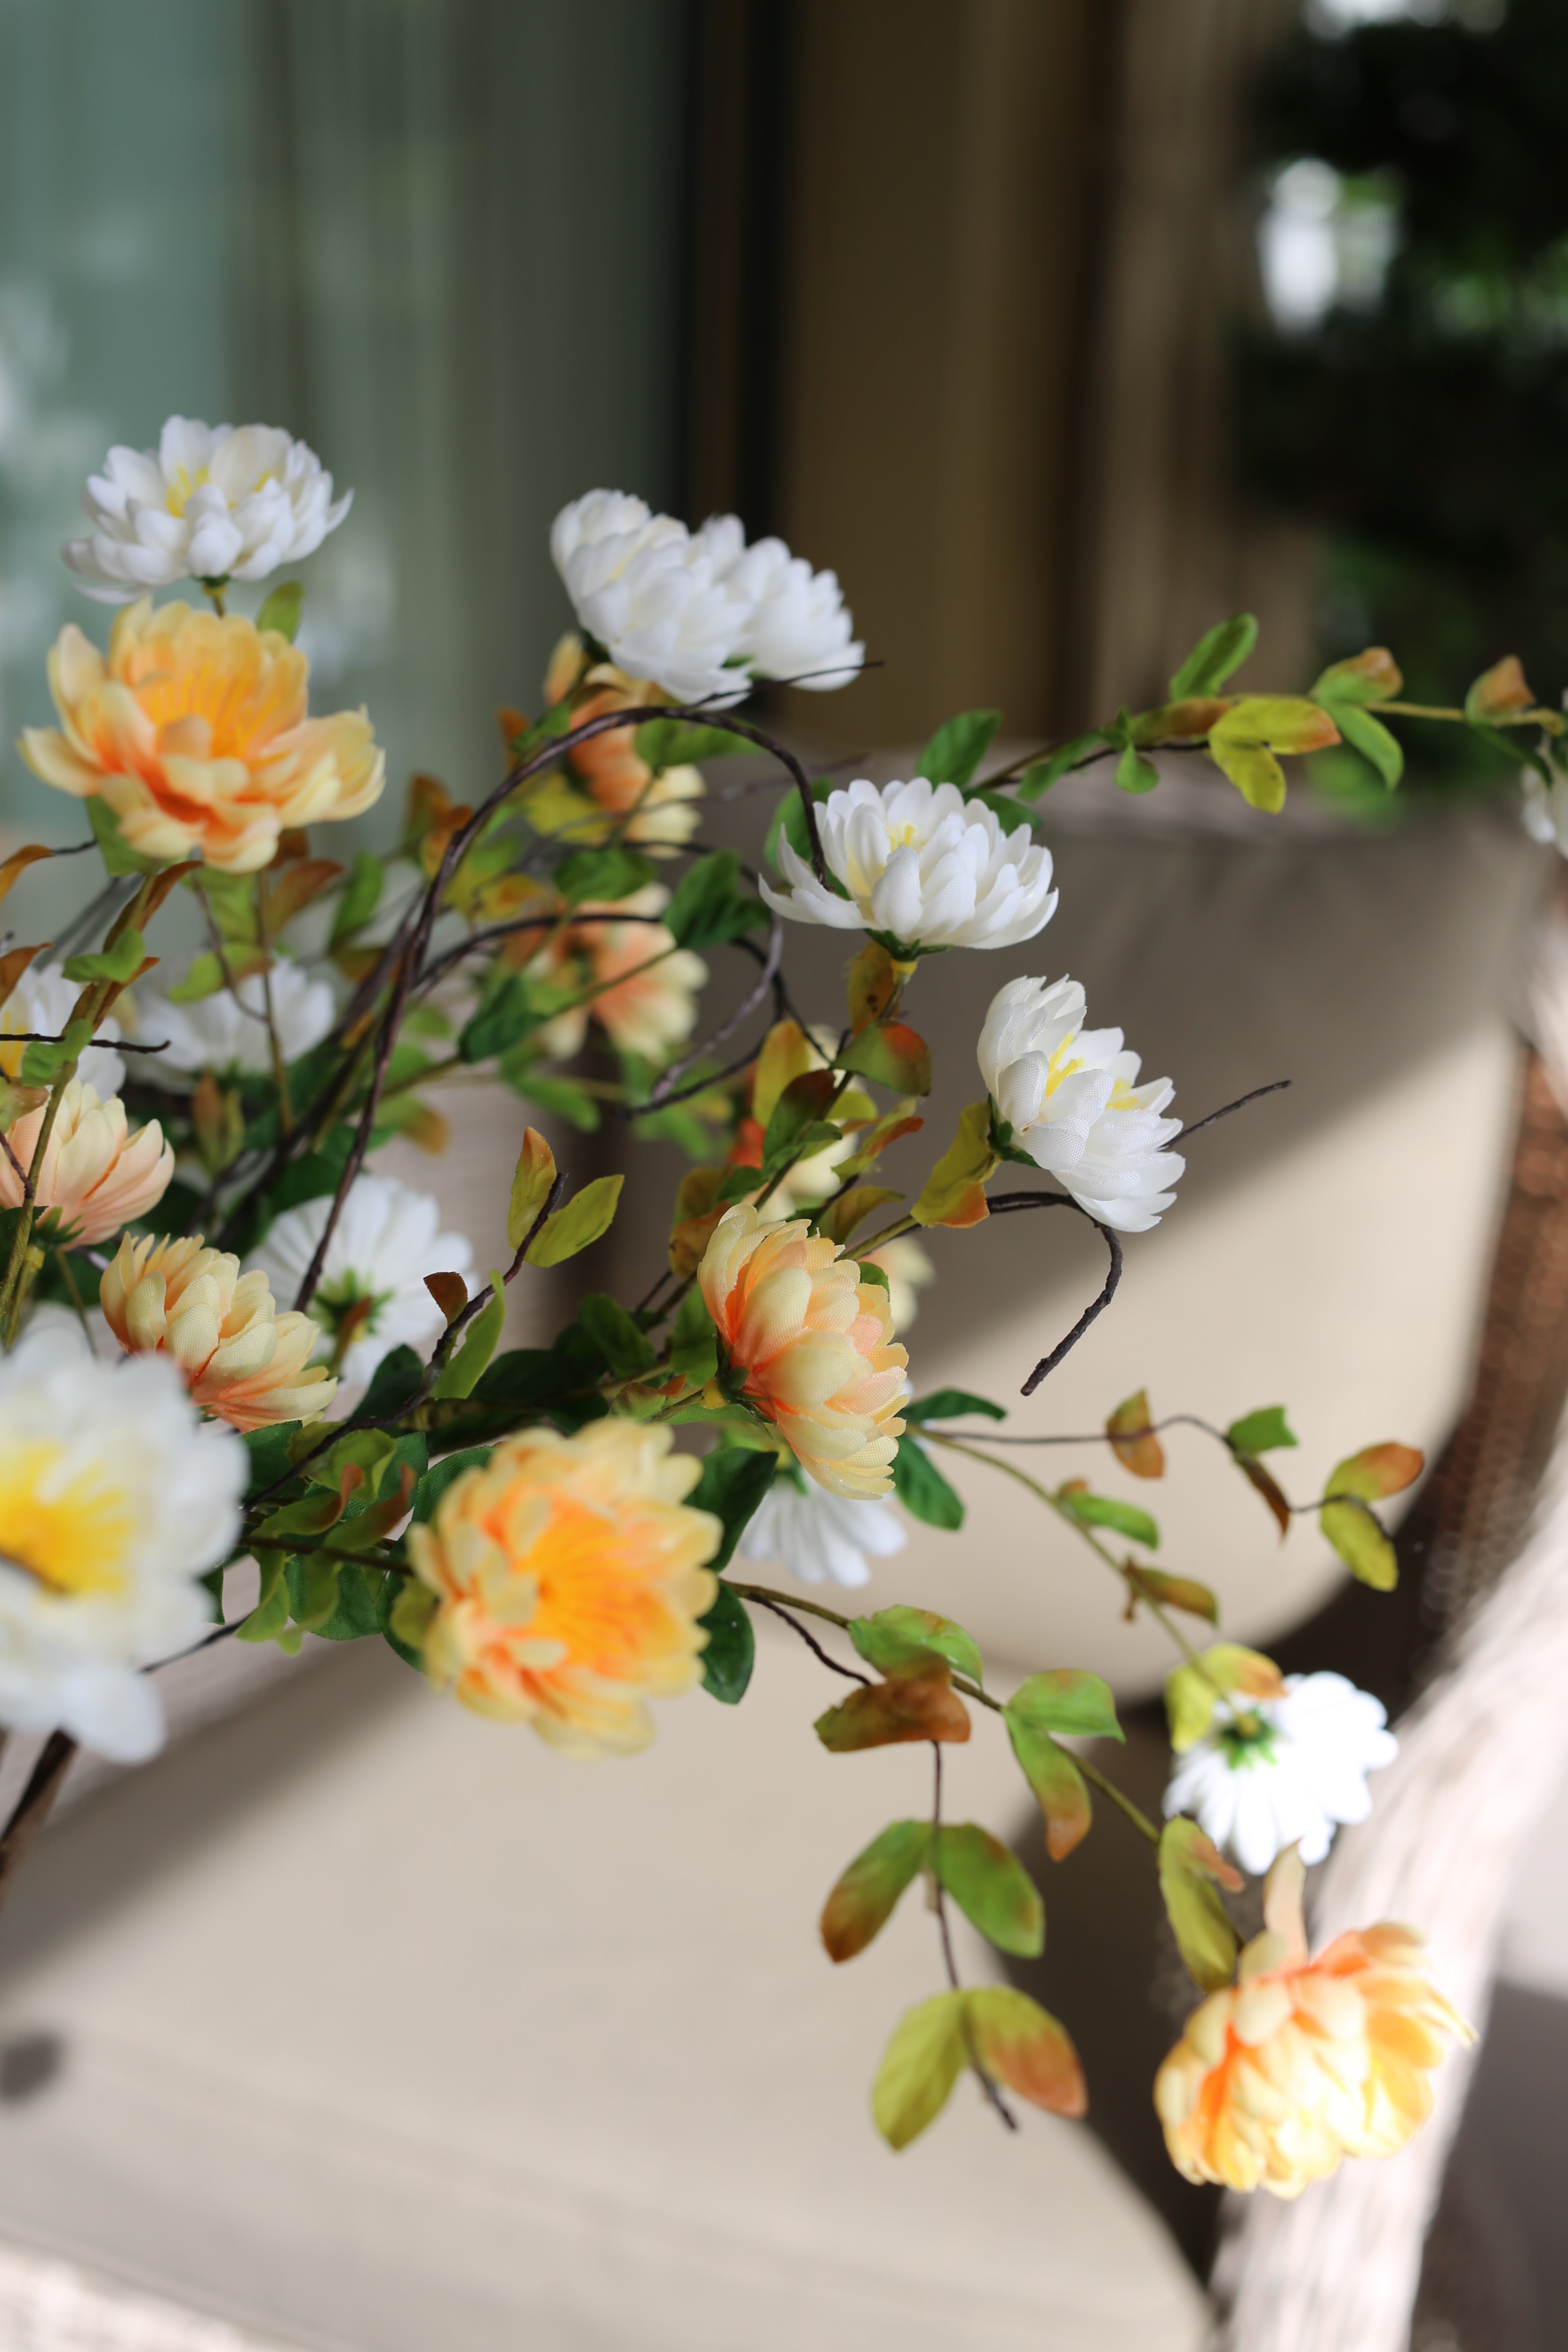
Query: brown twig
{"x":33,"y":1807}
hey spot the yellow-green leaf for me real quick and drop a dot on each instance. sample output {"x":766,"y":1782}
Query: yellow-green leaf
{"x":1191,"y":1695}
{"x":1361,"y":1544}
{"x":787,"y":1054}
{"x":529,"y":1185}
{"x":1376,"y":1472}
{"x":1183,"y":1592}
{"x":1059,"y":1786}
{"x":922,"y":2063}
{"x":954,"y":1192}
{"x":585,"y":1218}
{"x":841,"y":1216}
{"x":1371,"y":677}
{"x":479,"y":1343}
{"x":904,"y":1640}
{"x":1190,"y":1865}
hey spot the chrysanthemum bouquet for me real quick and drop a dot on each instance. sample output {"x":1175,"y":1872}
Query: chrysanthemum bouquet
{"x":228,"y":1340}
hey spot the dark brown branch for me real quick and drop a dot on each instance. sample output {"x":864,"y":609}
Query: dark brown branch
{"x":811,"y":1644}
{"x":1007,"y":1200}
{"x":1275,"y":1087}
{"x":33,"y":1807}
{"x":659,"y":1093}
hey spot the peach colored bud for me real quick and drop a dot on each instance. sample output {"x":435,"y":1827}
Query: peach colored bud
{"x":98,"y":1172}
{"x":1302,"y":2063}
{"x":569,"y":1579}
{"x":814,"y":1345}
{"x":195,"y":732}
{"x":242,"y":1360}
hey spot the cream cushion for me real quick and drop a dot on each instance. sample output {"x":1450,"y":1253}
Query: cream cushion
{"x":384,"y":2028}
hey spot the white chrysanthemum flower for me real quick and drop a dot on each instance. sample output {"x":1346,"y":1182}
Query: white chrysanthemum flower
{"x":924,"y":870}
{"x":1070,"y":1096}
{"x":800,"y":628}
{"x":114,"y":1498}
{"x":1290,"y":1781}
{"x":386,"y":1240}
{"x":227,"y":1032}
{"x":1546,"y":809}
{"x":816,"y":1537}
{"x":647,"y":591}
{"x":39,"y":1005}
{"x":212,"y":502}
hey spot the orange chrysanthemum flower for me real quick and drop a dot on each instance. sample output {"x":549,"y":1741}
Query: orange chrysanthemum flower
{"x":196,"y":733}
{"x":621,"y":780}
{"x":243,"y":1361}
{"x":569,"y":1580}
{"x":815,"y":1344}
{"x":1302,"y":2063}
{"x":98,"y":1171}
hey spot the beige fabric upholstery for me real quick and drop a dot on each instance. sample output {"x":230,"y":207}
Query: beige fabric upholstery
{"x":384,"y":2028}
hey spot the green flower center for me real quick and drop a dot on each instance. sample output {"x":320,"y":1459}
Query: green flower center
{"x":1247,"y":1743}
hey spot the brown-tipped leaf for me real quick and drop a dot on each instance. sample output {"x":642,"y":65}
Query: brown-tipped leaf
{"x":873,"y":982}
{"x":1268,"y":1486}
{"x":1193,"y":1692}
{"x":1133,"y":1440}
{"x":1190,"y":1866}
{"x":531,"y":1186}
{"x":1021,"y":2046}
{"x":884,"y":1715}
{"x":1183,"y":1592}
{"x":868,"y":1894}
{"x":991,"y":1888}
{"x":890,"y":1053}
{"x":954,"y":1192}
{"x":450,"y":1293}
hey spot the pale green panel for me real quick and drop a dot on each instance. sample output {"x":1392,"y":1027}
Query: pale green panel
{"x":439,"y":238}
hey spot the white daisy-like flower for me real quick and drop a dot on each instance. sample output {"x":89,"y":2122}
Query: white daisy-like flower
{"x":212,"y":501}
{"x":1546,"y":809}
{"x":39,"y":1005}
{"x":1290,"y":1780}
{"x":1071,"y":1097}
{"x":387,"y":1239}
{"x":649,"y":593}
{"x":818,"y":1537}
{"x":227,"y":1032}
{"x":924,"y":868}
{"x":114,"y":1498}
{"x":800,"y":627}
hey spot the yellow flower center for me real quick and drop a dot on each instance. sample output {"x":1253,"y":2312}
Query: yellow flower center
{"x":184,"y":488}
{"x":902,"y":836}
{"x":71,"y":1532}
{"x":1059,"y":1066}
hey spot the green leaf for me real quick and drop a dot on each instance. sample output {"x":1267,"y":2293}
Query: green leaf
{"x":1371,"y":738}
{"x":1105,"y":1511}
{"x":733,"y":1482}
{"x":427,"y":1494}
{"x":1069,"y":1701}
{"x":1372,"y":677}
{"x":789,"y":822}
{"x":480,"y":1342}
{"x":312,"y":1589}
{"x":1254,"y":770}
{"x":798,"y":1109}
{"x":282,"y":609}
{"x":731,"y":1651}
{"x":602,"y":873}
{"x":903,"y":1640}
{"x":1059,"y":1786}
{"x":121,"y":962}
{"x":398,"y":1379}
{"x":1040,"y":777}
{"x":561,"y":1096}
{"x":991,"y":1888}
{"x":890,"y":1053}
{"x":502,"y":1021}
{"x":1222,"y":650}
{"x":42,"y":1065}
{"x":271,"y":1459}
{"x":404,"y":1611}
{"x":1261,"y":1432}
{"x":675,"y":743}
{"x":584,"y":1220}
{"x":269,"y":1618}
{"x":119,"y":859}
{"x":957,"y":748}
{"x":1189,"y":1865}
{"x":623,"y":1345}
{"x":919,"y":2066}
{"x":1135,"y":773}
{"x":951,"y":1404}
{"x":710,"y":905}
{"x":533,"y":1182}
{"x":361,"y":897}
{"x":693,"y":1345}
{"x":356,"y":1611}
{"x":867,"y":1893}
{"x":922,"y":1488}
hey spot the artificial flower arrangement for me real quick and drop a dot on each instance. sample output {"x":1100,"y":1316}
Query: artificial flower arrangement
{"x":228,"y":1340}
